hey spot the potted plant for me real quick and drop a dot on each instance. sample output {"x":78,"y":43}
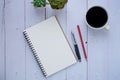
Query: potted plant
{"x":55,"y":4}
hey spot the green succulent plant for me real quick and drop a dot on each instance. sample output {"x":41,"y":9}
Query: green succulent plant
{"x":39,"y":3}
{"x":57,"y":4}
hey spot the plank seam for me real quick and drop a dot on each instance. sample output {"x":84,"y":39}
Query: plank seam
{"x":4,"y":37}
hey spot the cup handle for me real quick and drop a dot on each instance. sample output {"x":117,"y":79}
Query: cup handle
{"x":107,"y":27}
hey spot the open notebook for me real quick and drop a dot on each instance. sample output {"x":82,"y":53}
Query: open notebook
{"x":50,"y":46}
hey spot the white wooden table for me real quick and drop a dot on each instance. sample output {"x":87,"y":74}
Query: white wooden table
{"x":103,"y":47}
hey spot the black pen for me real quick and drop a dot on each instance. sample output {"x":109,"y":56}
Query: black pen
{"x":76,"y":47}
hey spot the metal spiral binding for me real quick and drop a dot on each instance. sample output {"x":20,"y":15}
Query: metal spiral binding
{"x":34,"y":53}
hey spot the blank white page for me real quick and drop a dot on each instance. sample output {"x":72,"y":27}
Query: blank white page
{"x":51,"y":45}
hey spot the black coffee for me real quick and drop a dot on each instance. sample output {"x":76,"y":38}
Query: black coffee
{"x":96,"y":17}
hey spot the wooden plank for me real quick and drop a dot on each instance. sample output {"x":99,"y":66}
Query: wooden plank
{"x":104,"y":45}
{"x":76,"y":16}
{"x":15,"y":44}
{"x":2,"y":55}
{"x":97,"y":49}
{"x":32,"y":16}
{"x":113,"y":40}
{"x":62,"y":17}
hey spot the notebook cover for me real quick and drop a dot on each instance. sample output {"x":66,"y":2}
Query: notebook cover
{"x":51,"y":46}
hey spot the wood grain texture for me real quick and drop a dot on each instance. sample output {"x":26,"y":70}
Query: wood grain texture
{"x":98,"y":49}
{"x":2,"y":33}
{"x":114,"y":40}
{"x":104,"y":45}
{"x":32,"y":16}
{"x":17,"y":61}
{"x":15,"y":44}
{"x":76,"y":16}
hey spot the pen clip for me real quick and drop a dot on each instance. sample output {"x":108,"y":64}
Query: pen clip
{"x":73,"y":38}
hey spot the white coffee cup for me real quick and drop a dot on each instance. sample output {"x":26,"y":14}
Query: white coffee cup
{"x":97,"y":18}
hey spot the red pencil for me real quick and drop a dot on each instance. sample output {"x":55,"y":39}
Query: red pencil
{"x":82,"y":43}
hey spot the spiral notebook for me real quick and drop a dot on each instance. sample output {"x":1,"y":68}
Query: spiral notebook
{"x":50,"y":46}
